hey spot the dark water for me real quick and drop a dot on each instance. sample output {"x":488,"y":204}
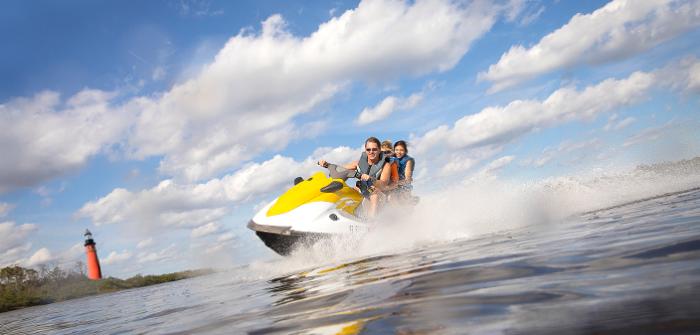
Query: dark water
{"x":632,"y":269}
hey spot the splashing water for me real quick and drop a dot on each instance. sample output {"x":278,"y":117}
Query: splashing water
{"x":481,"y":207}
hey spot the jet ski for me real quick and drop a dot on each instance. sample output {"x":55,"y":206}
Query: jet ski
{"x":313,"y":209}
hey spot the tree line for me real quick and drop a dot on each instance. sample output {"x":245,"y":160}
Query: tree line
{"x":23,"y":287}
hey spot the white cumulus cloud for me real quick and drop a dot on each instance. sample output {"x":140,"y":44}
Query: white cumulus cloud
{"x":245,"y":101}
{"x":145,"y":243}
{"x":487,"y":131}
{"x":615,"y":124}
{"x":41,"y":256}
{"x":499,"y":125}
{"x":241,"y":104}
{"x":167,"y":253}
{"x":206,"y":230}
{"x":198,"y":206}
{"x":619,"y":29}
{"x":338,"y":155}
{"x":14,"y":242}
{"x":44,"y":136}
{"x":74,"y":253}
{"x":167,"y":204}
{"x":226,"y":237}
{"x":386,"y":107}
{"x":491,"y":170}
{"x":116,"y":257}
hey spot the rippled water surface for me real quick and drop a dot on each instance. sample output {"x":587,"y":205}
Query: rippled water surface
{"x":632,"y":269}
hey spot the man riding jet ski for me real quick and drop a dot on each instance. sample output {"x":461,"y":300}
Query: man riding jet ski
{"x":315,"y":208}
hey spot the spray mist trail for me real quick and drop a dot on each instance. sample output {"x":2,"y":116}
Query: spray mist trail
{"x":481,"y":207}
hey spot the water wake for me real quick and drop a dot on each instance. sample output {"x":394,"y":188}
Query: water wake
{"x":475,"y":208}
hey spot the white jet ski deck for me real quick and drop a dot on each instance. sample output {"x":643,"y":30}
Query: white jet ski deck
{"x":313,"y":209}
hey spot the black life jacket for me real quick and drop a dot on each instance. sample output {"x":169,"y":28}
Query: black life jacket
{"x":375,"y":170}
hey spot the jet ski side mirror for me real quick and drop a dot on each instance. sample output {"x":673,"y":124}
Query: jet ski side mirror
{"x":298,"y":180}
{"x":334,"y":186}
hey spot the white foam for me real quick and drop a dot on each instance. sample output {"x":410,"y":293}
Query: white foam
{"x":492,"y":205}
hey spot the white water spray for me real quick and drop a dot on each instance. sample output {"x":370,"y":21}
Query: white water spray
{"x":482,"y":207}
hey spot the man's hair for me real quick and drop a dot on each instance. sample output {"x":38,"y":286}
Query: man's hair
{"x":373,"y":140}
{"x":403,"y":144}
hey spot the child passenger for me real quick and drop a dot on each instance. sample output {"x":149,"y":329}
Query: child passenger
{"x":388,"y":152}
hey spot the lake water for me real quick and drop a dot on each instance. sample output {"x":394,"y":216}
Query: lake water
{"x":631,"y":269}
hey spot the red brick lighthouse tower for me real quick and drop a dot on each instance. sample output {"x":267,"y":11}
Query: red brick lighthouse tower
{"x":93,"y":263}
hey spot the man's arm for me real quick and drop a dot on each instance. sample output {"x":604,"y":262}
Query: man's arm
{"x":351,"y":165}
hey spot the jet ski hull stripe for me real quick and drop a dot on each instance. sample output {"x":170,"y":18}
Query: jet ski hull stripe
{"x":269,"y":229}
{"x":283,"y":240}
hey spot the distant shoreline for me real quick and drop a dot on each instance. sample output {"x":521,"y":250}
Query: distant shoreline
{"x":21,"y":287}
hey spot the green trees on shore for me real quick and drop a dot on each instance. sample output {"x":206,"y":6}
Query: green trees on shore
{"x":18,"y":288}
{"x":22,"y":287}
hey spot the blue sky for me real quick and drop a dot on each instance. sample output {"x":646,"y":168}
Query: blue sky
{"x":161,"y":126}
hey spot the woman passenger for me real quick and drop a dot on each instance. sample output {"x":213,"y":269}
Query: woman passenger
{"x":405,"y":164}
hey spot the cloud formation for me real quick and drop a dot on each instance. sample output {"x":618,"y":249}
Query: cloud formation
{"x":44,"y":136}
{"x":563,"y":148}
{"x":493,"y":127}
{"x":200,"y":207}
{"x":490,"y":171}
{"x":197,"y":206}
{"x":500,"y":125}
{"x":620,"y":29}
{"x":388,"y":106}
{"x":166,"y":253}
{"x":41,"y":256}
{"x":116,"y":257}
{"x":166,"y":205}
{"x":14,"y":242}
{"x":524,"y":12}
{"x":241,"y":104}
{"x":244,"y":101}
{"x":615,"y":124}
{"x":145,"y":243}
{"x":648,"y":134}
{"x":5,"y":208}
{"x":206,"y":230}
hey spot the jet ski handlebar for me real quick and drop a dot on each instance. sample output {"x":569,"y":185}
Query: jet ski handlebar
{"x":339,"y":172}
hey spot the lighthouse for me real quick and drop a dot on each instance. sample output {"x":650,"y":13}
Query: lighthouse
{"x":93,"y":263}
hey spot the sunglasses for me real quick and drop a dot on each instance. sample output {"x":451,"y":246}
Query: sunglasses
{"x":387,"y":152}
{"x":371,"y":149}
